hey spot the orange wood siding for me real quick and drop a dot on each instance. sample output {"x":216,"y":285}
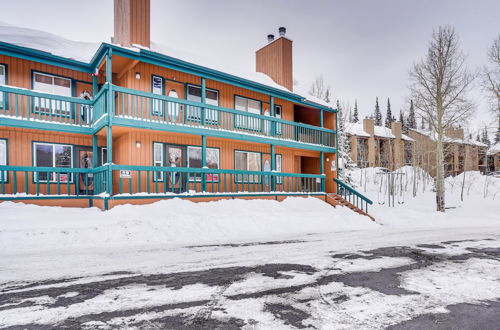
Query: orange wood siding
{"x":177,"y":80}
{"x":19,"y":73}
{"x":20,"y":151}
{"x":275,"y":60}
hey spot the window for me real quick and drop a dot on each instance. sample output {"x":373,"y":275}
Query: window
{"x":279,"y":179}
{"x":158,"y":160}
{"x":194,"y":161}
{"x":251,"y":106}
{"x":53,"y":85}
{"x":277,"y":114}
{"x":247,"y":161}
{"x":53,"y":155}
{"x":212,"y":98}
{"x":3,"y":81}
{"x":104,"y":156}
{"x":157,"y":89}
{"x":3,"y":159}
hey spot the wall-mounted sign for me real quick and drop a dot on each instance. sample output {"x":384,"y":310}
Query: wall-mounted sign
{"x":125,"y":174}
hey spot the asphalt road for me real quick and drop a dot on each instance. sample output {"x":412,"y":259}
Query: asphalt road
{"x":261,"y":296}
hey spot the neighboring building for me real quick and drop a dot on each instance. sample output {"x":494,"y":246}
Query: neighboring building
{"x":379,"y":146}
{"x":493,"y":158}
{"x":127,"y":122}
{"x":460,"y":154}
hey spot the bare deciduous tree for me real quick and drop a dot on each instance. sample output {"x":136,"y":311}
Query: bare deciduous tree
{"x":320,"y":90}
{"x":491,"y":76}
{"x":439,"y":86}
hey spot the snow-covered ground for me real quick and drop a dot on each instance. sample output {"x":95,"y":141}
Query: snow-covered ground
{"x":257,"y":264}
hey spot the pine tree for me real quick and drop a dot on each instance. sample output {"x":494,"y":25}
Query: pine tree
{"x":486,"y":139}
{"x":478,"y":138}
{"x":422,"y":125}
{"x":388,"y":116}
{"x":404,"y":124}
{"x":355,"y":117}
{"x":377,"y":114}
{"x":411,"y":121}
{"x":345,"y":164}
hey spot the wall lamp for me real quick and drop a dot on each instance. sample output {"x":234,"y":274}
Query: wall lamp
{"x":137,"y":75}
{"x":138,"y":144}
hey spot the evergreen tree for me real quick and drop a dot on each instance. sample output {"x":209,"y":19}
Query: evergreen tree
{"x":404,"y":124}
{"x":422,"y":125}
{"x":345,"y":164}
{"x":355,"y":117}
{"x":486,"y":139}
{"x":411,"y":122}
{"x":388,"y":116}
{"x":377,"y":114}
{"x":478,"y":138}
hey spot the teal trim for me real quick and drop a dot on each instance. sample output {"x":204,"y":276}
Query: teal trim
{"x":43,"y":57}
{"x":45,"y":126}
{"x":94,"y":151}
{"x":217,"y":133}
{"x":221,"y":195}
{"x":111,"y":112}
{"x":273,"y":167}
{"x":203,"y":100}
{"x":204,"y":161}
{"x":321,"y":118}
{"x":94,"y":87}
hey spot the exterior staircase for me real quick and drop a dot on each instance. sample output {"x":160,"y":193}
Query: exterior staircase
{"x":349,"y":197}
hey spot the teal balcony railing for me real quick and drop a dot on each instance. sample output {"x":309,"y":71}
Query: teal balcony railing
{"x":353,"y":196}
{"x":143,"y":108}
{"x":148,"y":107}
{"x":18,"y":103}
{"x":21,"y":182}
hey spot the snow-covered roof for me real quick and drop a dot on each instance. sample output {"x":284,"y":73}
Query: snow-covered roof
{"x":84,"y":52}
{"x":355,"y":129}
{"x":384,"y":132}
{"x":494,"y":149}
{"x":406,"y":138}
{"x":447,"y":139}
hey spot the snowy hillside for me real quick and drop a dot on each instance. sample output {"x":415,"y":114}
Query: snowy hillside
{"x":414,"y":198}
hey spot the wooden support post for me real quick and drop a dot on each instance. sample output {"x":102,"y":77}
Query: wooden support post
{"x":203,"y":162}
{"x":203,"y":100}
{"x":273,"y":168}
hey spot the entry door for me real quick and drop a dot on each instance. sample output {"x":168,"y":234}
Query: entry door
{"x":85,"y":160}
{"x":176,"y":157}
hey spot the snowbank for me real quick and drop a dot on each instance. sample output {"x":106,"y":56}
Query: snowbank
{"x":171,"y":222}
{"x":480,"y":205}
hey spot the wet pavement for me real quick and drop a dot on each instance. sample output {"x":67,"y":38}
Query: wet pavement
{"x":287,"y":294}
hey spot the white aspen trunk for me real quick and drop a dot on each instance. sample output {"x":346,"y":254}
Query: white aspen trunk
{"x":440,"y":191}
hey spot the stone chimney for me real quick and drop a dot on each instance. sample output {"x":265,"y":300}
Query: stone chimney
{"x":275,"y":60}
{"x":132,"y":22}
{"x":369,"y":127}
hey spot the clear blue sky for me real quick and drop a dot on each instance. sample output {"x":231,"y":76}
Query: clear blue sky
{"x":363,"y":49}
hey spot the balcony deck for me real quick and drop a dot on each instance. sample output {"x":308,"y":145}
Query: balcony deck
{"x":30,"y":109}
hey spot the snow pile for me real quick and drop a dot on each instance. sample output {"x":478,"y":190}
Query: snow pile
{"x":356,"y":129}
{"x":47,"y":42}
{"x":171,"y":222}
{"x":415,"y":198}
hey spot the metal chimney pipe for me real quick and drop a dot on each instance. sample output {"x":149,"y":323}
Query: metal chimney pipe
{"x":270,"y":37}
{"x":282,"y":31}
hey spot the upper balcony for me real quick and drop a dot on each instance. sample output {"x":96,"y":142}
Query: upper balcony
{"x":132,"y":108}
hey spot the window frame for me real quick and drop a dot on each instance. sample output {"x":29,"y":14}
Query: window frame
{"x":279,"y":179}
{"x":5,"y":99}
{"x":6,"y":173}
{"x":159,"y":103}
{"x":198,"y":179}
{"x":191,"y":110}
{"x":65,"y":114}
{"x":158,"y":175}
{"x":247,"y":126}
{"x":35,"y":174}
{"x":243,"y":181}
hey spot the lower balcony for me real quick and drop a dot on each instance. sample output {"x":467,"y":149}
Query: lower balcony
{"x":149,"y":182}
